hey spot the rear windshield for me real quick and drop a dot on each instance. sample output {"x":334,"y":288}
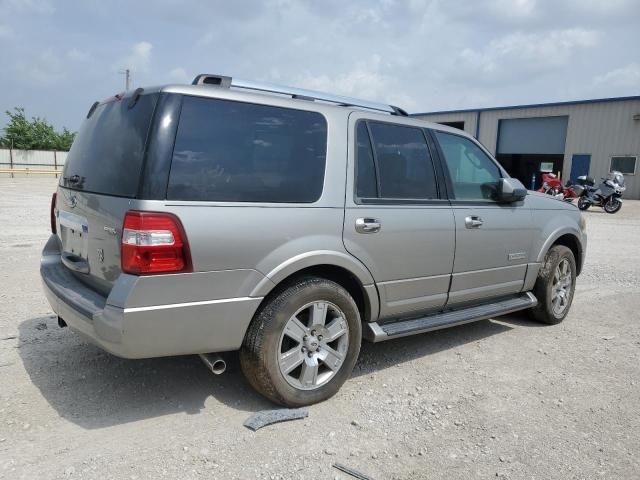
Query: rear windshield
{"x":107,"y":154}
{"x":242,"y":152}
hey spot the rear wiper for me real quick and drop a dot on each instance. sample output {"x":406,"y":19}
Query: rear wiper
{"x":92,"y":109}
{"x":73,"y":179}
{"x":134,"y":98}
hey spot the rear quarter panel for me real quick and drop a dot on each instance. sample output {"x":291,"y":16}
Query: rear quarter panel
{"x":256,"y":245}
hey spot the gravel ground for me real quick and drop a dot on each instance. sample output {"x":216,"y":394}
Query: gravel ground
{"x":503,"y":398}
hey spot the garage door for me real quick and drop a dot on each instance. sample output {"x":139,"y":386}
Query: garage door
{"x":543,"y":135}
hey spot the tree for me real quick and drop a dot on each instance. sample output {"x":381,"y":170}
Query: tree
{"x":34,"y":134}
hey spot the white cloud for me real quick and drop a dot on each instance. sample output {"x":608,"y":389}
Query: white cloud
{"x":624,"y":77}
{"x":139,"y":58}
{"x":5,"y":31}
{"x":419,"y":54}
{"x":77,"y":55}
{"x":44,"y":69}
{"x":527,"y":53}
{"x":606,"y":7}
{"x":178,"y":75}
{"x":366,"y":80}
{"x":27,"y":6}
{"x":513,"y":8}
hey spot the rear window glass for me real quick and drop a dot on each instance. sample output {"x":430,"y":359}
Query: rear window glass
{"x":241,"y":152}
{"x":106,"y":156}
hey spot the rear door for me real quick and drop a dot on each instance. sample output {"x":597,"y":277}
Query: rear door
{"x":101,"y":176}
{"x":493,"y":240}
{"x":396,"y":222}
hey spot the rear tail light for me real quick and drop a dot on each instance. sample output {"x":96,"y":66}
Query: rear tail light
{"x":154,"y":242}
{"x":52,"y":213}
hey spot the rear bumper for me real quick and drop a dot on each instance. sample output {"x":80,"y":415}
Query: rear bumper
{"x":149,"y":331}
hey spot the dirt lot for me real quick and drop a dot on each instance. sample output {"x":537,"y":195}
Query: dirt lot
{"x":503,"y":398}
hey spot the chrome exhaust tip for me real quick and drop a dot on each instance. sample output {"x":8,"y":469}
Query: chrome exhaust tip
{"x":214,"y":362}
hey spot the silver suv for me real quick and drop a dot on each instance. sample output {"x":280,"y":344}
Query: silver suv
{"x":289,"y":225}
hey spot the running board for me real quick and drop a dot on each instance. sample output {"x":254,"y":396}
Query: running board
{"x":376,"y":332}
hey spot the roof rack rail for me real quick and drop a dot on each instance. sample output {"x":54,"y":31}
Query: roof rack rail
{"x":228,"y":82}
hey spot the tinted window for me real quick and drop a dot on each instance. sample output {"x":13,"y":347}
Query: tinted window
{"x":626,"y":165}
{"x":404,"y":164}
{"x":240,"y":152}
{"x":366,"y":172}
{"x":107,"y":154}
{"x":473,"y":173}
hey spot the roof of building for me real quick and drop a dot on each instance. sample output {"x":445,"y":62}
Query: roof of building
{"x":533,"y":105}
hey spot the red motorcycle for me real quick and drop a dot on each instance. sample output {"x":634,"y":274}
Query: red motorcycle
{"x":552,"y":185}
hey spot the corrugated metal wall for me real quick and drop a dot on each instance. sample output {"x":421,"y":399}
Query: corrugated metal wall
{"x":32,"y":159}
{"x":603,"y":130}
{"x":468,"y":118}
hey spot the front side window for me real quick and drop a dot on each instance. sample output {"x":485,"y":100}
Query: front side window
{"x":231,"y":151}
{"x":403,"y":165}
{"x":473,"y":173}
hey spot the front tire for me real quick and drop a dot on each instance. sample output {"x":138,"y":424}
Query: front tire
{"x":613,"y":205}
{"x":303,"y":343}
{"x":555,"y":286}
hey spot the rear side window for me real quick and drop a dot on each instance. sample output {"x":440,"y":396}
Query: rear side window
{"x":231,"y":151}
{"x":106,"y":156}
{"x":403,"y":164}
{"x":366,"y":171}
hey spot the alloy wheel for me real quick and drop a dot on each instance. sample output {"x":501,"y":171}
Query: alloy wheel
{"x":313,"y":345}
{"x":561,"y":287}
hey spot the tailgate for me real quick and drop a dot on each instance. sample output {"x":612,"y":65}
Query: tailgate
{"x":90,"y":228}
{"x":101,"y":177}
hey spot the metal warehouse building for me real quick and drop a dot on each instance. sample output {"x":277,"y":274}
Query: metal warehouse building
{"x":588,"y":137}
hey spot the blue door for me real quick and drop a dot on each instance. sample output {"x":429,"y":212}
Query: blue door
{"x":579,"y":166}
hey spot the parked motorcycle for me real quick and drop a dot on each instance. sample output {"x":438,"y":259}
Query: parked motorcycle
{"x":607,"y":195}
{"x":551,"y":185}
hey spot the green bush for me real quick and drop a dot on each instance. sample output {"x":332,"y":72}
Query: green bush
{"x":35,"y":134}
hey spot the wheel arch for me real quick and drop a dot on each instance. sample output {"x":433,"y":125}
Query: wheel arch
{"x":569,"y":239}
{"x":335,"y":266}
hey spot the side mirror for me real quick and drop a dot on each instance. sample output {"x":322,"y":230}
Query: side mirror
{"x":510,"y":190}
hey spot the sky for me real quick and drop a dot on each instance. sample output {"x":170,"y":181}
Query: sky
{"x":58,"y":57}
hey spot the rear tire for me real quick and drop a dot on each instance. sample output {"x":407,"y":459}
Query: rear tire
{"x":303,"y":343}
{"x":583,"y":203}
{"x":555,"y":286}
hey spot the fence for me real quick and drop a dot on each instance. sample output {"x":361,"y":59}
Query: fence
{"x":30,"y":162}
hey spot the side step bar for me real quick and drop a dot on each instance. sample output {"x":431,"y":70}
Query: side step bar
{"x":376,"y":332}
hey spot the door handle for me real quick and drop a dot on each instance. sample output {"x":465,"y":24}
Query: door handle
{"x":368,"y":225}
{"x":473,"y":221}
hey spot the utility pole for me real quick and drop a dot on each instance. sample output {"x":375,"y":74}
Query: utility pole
{"x":127,"y":77}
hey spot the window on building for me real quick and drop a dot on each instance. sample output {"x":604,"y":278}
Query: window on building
{"x":624,"y":164}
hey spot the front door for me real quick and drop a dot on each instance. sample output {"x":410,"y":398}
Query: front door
{"x":395,"y":220}
{"x":579,"y":166}
{"x":493,"y":241}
